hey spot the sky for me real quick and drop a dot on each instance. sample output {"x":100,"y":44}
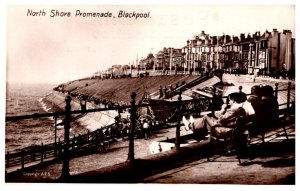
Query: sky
{"x":60,"y":49}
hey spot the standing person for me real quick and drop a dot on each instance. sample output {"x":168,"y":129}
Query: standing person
{"x":146,"y":125}
{"x":225,"y":117}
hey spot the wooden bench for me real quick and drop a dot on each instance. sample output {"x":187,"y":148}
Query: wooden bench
{"x":238,"y":135}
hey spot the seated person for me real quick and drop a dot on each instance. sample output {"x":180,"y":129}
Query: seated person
{"x":255,"y":98}
{"x":256,"y":102}
{"x":247,"y":106}
{"x":269,"y":106}
{"x":225,"y":117}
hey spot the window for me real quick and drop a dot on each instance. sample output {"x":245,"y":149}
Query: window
{"x":203,"y":57}
{"x":245,"y":47}
{"x":245,"y":56}
{"x":235,"y":48}
{"x":221,"y":56}
{"x":226,"y":57}
{"x":262,"y":54}
{"x":231,"y":56}
{"x":214,"y":56}
{"x":237,"y":55}
{"x":263,"y":44}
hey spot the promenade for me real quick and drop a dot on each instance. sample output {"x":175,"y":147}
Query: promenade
{"x":269,"y":163}
{"x":272,"y":163}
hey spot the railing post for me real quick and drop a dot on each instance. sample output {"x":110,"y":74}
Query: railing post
{"x":132,"y":128}
{"x":55,"y":135}
{"x":65,"y":169}
{"x":160,"y":92}
{"x":59,"y":148}
{"x":73,"y":143}
{"x":213,"y":101}
{"x":42,"y":153}
{"x":289,"y":95}
{"x":7,"y":159}
{"x":276,"y":91}
{"x":22,"y":159}
{"x":227,"y":100}
{"x":177,"y":140}
{"x":240,"y":89}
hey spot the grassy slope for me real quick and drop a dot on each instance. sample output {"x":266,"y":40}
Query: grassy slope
{"x":119,"y":90}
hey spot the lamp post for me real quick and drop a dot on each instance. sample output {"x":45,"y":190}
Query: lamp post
{"x":171,"y":61}
{"x":133,"y":118}
{"x":145,"y":65}
{"x":175,"y":65}
{"x":183,"y":61}
{"x":65,"y":170}
{"x":195,"y":60}
{"x":163,"y":62}
{"x":188,"y":55}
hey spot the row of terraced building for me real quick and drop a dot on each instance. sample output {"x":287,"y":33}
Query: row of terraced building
{"x":258,"y":53}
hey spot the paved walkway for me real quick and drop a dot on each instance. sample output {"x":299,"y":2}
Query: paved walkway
{"x":272,"y":163}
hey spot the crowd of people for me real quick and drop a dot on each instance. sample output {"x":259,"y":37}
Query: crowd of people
{"x":278,"y":74}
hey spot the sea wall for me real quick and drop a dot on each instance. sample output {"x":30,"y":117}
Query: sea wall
{"x":107,"y":91}
{"x":55,"y":102}
{"x":117,"y":91}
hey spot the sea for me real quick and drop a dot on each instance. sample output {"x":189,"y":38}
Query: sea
{"x":26,"y":99}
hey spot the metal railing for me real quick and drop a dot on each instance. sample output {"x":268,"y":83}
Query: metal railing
{"x":98,"y":140}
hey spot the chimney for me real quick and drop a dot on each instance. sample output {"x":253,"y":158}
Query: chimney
{"x":227,"y":39}
{"x":286,"y":31}
{"x":206,"y":41}
{"x":235,"y":39}
{"x":267,"y":34}
{"x":249,"y":36}
{"x":275,"y":32}
{"x":214,"y":40}
{"x":242,"y":37}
